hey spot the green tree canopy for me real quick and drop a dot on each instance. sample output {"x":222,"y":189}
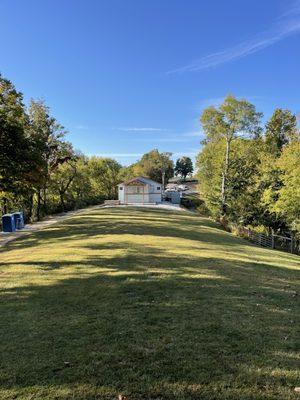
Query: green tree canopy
{"x":280,"y":130}
{"x":287,"y":203}
{"x":184,"y":167}
{"x":232,"y":119}
{"x":14,"y":144}
{"x":104,"y":174}
{"x":50,"y":148}
{"x":156,"y":166}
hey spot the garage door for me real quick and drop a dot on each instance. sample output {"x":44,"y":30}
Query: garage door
{"x":134,"y":198}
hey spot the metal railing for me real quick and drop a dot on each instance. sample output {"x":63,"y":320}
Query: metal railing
{"x":277,"y":242}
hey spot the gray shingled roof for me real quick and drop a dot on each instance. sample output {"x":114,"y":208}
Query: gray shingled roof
{"x":142,"y":179}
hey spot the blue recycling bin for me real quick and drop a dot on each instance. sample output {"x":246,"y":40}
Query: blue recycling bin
{"x":19,"y":220}
{"x":8,"y":223}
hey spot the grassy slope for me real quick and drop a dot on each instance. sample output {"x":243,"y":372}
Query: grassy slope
{"x":150,"y":304}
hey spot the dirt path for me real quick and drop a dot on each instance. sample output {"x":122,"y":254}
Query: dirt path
{"x":6,"y":237}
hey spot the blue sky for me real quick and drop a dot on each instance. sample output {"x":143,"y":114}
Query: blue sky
{"x":127,"y":76}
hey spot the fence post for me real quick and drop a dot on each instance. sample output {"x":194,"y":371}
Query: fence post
{"x":292,"y":245}
{"x":273,"y":241}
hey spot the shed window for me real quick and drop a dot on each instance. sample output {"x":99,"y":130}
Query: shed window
{"x":120,"y":188}
{"x":158,"y":188}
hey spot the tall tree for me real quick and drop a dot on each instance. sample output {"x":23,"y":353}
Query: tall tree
{"x":232,"y":119}
{"x":127,"y":172}
{"x":157,"y":166}
{"x":62,"y":179}
{"x":280,"y":130}
{"x":14,"y":145}
{"x":243,"y":195}
{"x":287,"y":201}
{"x":209,"y":170}
{"x":51,"y":149}
{"x":184,"y":167}
{"x":104,"y":174}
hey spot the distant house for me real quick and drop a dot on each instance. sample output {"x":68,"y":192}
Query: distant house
{"x":189,"y":186}
{"x":140,"y":190}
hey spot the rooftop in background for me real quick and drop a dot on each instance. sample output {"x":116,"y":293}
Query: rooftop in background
{"x":177,"y":179}
{"x":187,"y":187}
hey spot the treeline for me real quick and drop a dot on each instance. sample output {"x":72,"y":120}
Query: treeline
{"x":159,"y":167}
{"x":250,"y":174}
{"x":41,"y":173}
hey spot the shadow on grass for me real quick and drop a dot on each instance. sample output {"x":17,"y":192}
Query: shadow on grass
{"x":137,"y":222}
{"x":149,"y":324}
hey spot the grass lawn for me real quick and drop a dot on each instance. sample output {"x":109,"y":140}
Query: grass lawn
{"x":150,"y":304}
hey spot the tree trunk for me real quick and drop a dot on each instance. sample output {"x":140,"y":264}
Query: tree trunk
{"x":30,"y":210}
{"x":62,"y":202}
{"x":45,"y":206}
{"x":5,"y":205}
{"x":38,"y":209}
{"x":163,"y":181}
{"x":224,"y":177}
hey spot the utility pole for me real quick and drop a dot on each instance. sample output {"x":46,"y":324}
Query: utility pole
{"x":165,"y":157}
{"x":163,"y":175}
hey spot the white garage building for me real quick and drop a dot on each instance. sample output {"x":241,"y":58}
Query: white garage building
{"x":140,"y":190}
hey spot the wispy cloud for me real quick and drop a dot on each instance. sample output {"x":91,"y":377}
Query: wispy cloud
{"x":286,"y":25}
{"x":136,"y":129}
{"x":82,"y":127}
{"x":293,"y":10}
{"x":211,"y":101}
{"x":186,"y":153}
{"x":117,"y":155}
{"x":176,"y":137}
{"x":217,"y":101}
{"x":192,"y":134}
{"x":170,"y":139}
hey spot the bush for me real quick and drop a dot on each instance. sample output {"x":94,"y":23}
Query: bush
{"x":195,"y":203}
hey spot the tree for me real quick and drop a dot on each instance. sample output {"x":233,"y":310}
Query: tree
{"x":287,"y":203}
{"x":50,"y":148}
{"x":104,"y":175}
{"x":183,"y":167}
{"x":14,"y":145}
{"x":62,"y":179}
{"x":127,"y":173}
{"x":81,"y":190}
{"x":243,"y":195}
{"x":280,"y":130}
{"x":155,"y":165}
{"x":209,"y":171}
{"x":232,"y":119}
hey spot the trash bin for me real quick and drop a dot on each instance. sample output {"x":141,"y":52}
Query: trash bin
{"x":8,"y":223}
{"x":19,"y":220}
{"x":174,"y":196}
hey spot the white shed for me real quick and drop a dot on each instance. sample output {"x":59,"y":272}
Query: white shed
{"x":140,"y":190}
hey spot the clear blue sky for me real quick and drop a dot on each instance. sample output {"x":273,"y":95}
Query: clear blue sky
{"x":127,"y":76}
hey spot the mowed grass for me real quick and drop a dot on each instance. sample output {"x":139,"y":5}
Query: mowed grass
{"x":150,"y":304}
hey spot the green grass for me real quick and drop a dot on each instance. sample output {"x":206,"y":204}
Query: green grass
{"x":151,"y":304}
